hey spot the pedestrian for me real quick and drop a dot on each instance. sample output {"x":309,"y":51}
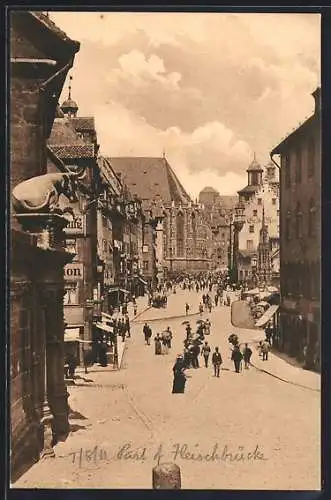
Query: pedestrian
{"x":169,"y":336}
{"x":187,"y":308}
{"x":165,"y":344}
{"x":265,"y":350}
{"x":209,"y":305}
{"x":236,"y":358}
{"x":146,"y":332}
{"x":216,"y":300}
{"x":123,"y":329}
{"x":247,"y":353}
{"x":200,"y":309}
{"x":195,"y":353}
{"x":135,"y":309}
{"x":207,"y":326}
{"x":205,"y":352}
{"x":178,"y":386}
{"x":127,"y":325}
{"x":158,"y":344}
{"x":217,"y":361}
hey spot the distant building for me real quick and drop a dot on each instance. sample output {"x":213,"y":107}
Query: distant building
{"x":260,"y":197}
{"x":183,"y":241}
{"x":218,"y":212}
{"x":300,"y":244}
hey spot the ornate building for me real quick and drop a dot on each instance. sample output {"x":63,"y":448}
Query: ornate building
{"x":184,"y":241}
{"x":260,"y":199}
{"x":300,"y":247}
{"x":218,"y":212}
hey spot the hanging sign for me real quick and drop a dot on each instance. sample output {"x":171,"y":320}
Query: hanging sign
{"x":76,"y":224}
{"x":74,"y":271}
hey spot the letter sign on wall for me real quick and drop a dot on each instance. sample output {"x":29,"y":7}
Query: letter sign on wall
{"x":76,"y":225}
{"x":74,"y":271}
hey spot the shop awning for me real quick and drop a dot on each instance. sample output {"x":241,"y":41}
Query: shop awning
{"x":104,"y":327}
{"x":117,"y":289}
{"x":72,"y":335}
{"x":261,"y":322}
{"x":107,"y":316}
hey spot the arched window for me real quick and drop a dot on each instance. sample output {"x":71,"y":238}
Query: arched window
{"x":286,"y":168}
{"x":298,"y":221}
{"x":312,"y":218}
{"x":288,"y":226}
{"x":311,"y":158}
{"x":298,"y":167}
{"x":180,"y":234}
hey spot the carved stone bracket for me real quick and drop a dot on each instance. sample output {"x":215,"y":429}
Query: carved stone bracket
{"x":19,"y":288}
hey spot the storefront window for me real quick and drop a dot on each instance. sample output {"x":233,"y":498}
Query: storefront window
{"x":71,"y":294}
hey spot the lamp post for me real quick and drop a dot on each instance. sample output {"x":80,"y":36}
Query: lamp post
{"x":237,"y":222}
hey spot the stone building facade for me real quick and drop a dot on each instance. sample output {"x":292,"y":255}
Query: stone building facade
{"x":260,"y":199}
{"x":182,"y":238}
{"x":40,"y":57}
{"x":218,"y":212}
{"x":300,"y":245}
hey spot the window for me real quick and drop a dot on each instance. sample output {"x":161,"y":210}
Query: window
{"x":180,"y":235}
{"x":312,"y":218}
{"x":298,"y":221}
{"x":251,"y":229}
{"x":298,"y":166}
{"x":145,"y":265}
{"x":145,"y":248}
{"x":278,"y":213}
{"x":259,"y":201}
{"x":71,"y":294}
{"x":223,"y":236}
{"x":311,"y":158}
{"x":249,"y":244}
{"x":288,"y":227}
{"x":255,"y":213}
{"x":287,"y":170}
{"x":104,"y":246}
{"x":274,"y":201}
{"x":71,"y":246}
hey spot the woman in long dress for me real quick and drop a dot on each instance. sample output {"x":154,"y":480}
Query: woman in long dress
{"x":178,"y":386}
{"x":165,"y":345}
{"x":158,"y":344}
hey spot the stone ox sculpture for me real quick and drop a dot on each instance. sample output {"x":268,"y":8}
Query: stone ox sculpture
{"x":41,"y":194}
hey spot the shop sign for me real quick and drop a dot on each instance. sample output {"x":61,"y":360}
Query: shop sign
{"x":74,"y":271}
{"x":107,"y":277}
{"x":76,"y":224}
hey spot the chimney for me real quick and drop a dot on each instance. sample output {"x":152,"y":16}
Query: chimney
{"x":317,"y":96}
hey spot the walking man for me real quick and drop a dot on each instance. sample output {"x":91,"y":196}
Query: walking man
{"x":187,"y":308}
{"x":147,"y":333}
{"x":265,"y":350}
{"x":247,"y":356}
{"x":236,"y":358}
{"x":135,"y":309}
{"x":205,"y":351}
{"x":217,"y":361}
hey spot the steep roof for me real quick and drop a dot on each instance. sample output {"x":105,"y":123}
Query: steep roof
{"x":149,"y":178}
{"x":74,"y":151}
{"x":249,"y":189}
{"x":209,"y":189}
{"x":81,"y":123}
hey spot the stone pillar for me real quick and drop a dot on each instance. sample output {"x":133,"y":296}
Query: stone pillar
{"x":166,"y":477}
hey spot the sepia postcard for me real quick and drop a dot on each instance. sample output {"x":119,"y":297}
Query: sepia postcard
{"x":165,"y":225}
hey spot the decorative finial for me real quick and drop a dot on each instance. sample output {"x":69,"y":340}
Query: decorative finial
{"x":70,"y":80}
{"x":254,"y":156}
{"x":163,"y":153}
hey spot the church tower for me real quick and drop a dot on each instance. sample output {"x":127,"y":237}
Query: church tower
{"x":69,"y":107}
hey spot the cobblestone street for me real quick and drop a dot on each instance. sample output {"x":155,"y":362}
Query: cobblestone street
{"x":129,"y":419}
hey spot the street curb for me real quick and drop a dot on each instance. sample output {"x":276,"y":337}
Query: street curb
{"x":140,"y":313}
{"x":284,"y":380}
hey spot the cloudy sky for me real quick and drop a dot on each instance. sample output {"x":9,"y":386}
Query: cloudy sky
{"x":208,"y":89}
